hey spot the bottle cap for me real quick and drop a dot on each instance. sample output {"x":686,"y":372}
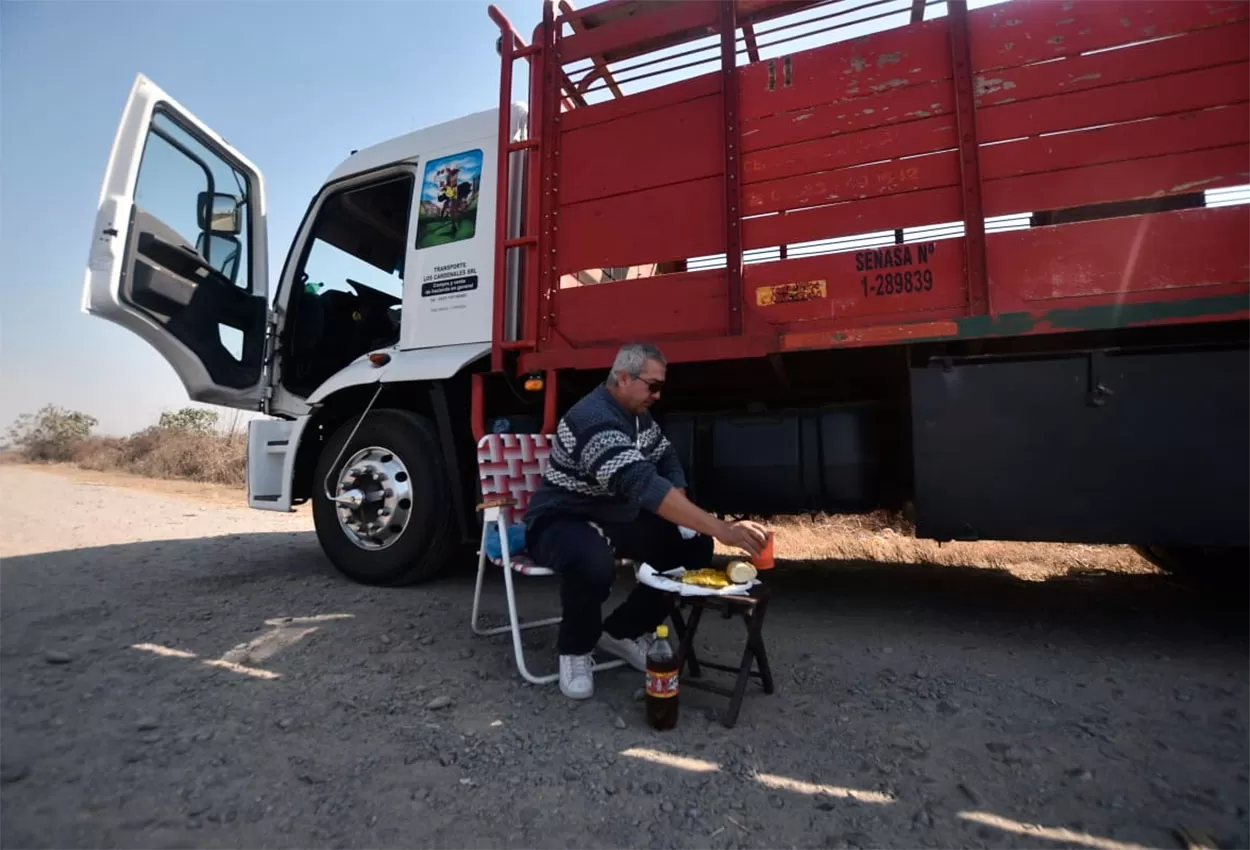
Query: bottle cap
{"x":661,"y":631}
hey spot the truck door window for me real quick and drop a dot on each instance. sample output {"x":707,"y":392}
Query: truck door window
{"x":193,"y":219}
{"x":177,"y":175}
{"x":349,"y":285}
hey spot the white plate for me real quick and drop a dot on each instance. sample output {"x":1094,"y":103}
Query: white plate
{"x":665,"y":581}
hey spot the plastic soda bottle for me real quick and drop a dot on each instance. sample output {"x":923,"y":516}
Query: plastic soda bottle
{"x":661,"y":682}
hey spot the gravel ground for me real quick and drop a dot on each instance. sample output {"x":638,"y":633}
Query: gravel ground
{"x":916,"y":707}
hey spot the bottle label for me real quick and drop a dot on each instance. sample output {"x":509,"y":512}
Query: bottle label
{"x":662,"y":684}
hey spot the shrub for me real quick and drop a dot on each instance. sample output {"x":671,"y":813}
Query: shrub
{"x":52,"y":434}
{"x":184,"y":444}
{"x":185,"y":453}
{"x":100,"y":453}
{"x":193,"y":419}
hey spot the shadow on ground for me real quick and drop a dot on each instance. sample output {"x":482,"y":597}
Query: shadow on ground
{"x":917,"y":706}
{"x":1109,"y":606}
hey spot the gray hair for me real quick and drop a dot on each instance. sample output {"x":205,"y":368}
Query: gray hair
{"x":632,"y":358}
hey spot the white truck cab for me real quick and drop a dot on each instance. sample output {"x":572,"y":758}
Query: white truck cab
{"x":394,"y":258}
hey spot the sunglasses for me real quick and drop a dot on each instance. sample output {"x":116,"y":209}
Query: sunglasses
{"x":655,"y":387}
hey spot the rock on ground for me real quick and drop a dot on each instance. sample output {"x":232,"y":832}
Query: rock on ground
{"x":916,"y":707}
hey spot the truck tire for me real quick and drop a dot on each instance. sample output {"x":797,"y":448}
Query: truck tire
{"x":402,"y":530}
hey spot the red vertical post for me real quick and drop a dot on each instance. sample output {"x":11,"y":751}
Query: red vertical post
{"x":530,"y":282}
{"x":507,"y":46}
{"x":548,"y":281}
{"x":733,"y":136}
{"x":975,"y":272}
{"x":551,"y":411}
{"x":477,"y":406}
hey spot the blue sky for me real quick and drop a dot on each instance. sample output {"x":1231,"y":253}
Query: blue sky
{"x":311,"y":82}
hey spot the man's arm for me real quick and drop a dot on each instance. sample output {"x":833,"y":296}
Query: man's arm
{"x":617,"y":464}
{"x":679,"y":510}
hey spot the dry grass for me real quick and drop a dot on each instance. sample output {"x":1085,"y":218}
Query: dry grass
{"x":190,"y":455}
{"x":218,"y":458}
{"x":884,"y":538}
{"x":211,"y":457}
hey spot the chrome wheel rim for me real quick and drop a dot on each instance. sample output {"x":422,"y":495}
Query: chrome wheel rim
{"x":373,"y":499}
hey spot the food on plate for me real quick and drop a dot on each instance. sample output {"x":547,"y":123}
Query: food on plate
{"x":740,"y":572}
{"x":709,"y":577}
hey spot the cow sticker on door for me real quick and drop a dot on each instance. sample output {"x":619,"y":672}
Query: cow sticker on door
{"x":449,"y":197}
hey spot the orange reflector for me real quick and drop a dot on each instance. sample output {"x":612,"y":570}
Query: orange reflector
{"x":379,"y":358}
{"x":533,"y":384}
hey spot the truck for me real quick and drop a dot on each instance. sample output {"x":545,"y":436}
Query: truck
{"x":968,"y":265}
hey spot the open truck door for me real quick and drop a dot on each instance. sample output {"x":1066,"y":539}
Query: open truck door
{"x":179,"y":253}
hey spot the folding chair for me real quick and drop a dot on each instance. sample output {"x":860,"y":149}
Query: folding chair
{"x":510,"y":467}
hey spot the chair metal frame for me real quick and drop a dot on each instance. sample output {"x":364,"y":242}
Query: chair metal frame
{"x":509,"y":468}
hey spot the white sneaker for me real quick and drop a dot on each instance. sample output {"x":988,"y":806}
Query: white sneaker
{"x":576,"y":676}
{"x":633,"y":651}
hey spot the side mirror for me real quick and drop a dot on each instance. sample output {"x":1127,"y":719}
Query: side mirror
{"x":220,"y":252}
{"x":219,"y":213}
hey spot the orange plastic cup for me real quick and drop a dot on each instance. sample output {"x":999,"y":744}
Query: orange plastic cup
{"x":764,"y":561}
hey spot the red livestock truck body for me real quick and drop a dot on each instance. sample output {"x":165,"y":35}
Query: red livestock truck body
{"x":813,"y":239}
{"x":1016,"y":108}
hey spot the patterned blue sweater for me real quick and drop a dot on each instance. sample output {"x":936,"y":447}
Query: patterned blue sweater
{"x":606,"y":465}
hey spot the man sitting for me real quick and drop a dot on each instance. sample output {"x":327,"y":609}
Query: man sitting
{"x":614,"y":487}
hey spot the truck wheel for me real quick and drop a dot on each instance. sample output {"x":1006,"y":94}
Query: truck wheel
{"x":394,"y":523}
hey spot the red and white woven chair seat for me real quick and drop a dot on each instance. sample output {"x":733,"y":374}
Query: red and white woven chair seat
{"x":510,"y":466}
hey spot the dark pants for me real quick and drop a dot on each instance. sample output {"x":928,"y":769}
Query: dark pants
{"x":585,"y":560}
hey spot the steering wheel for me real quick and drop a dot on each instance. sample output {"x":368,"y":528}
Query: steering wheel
{"x":372,"y":295}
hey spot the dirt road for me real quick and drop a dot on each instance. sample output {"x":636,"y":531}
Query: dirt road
{"x":917,"y":707}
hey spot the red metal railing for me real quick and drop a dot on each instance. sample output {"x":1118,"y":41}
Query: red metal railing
{"x":511,"y":48}
{"x":969,"y":163}
{"x":732,"y":149}
{"x":947,"y":120}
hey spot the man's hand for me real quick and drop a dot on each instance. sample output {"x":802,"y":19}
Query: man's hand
{"x":744,"y":534}
{"x":679,"y":510}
